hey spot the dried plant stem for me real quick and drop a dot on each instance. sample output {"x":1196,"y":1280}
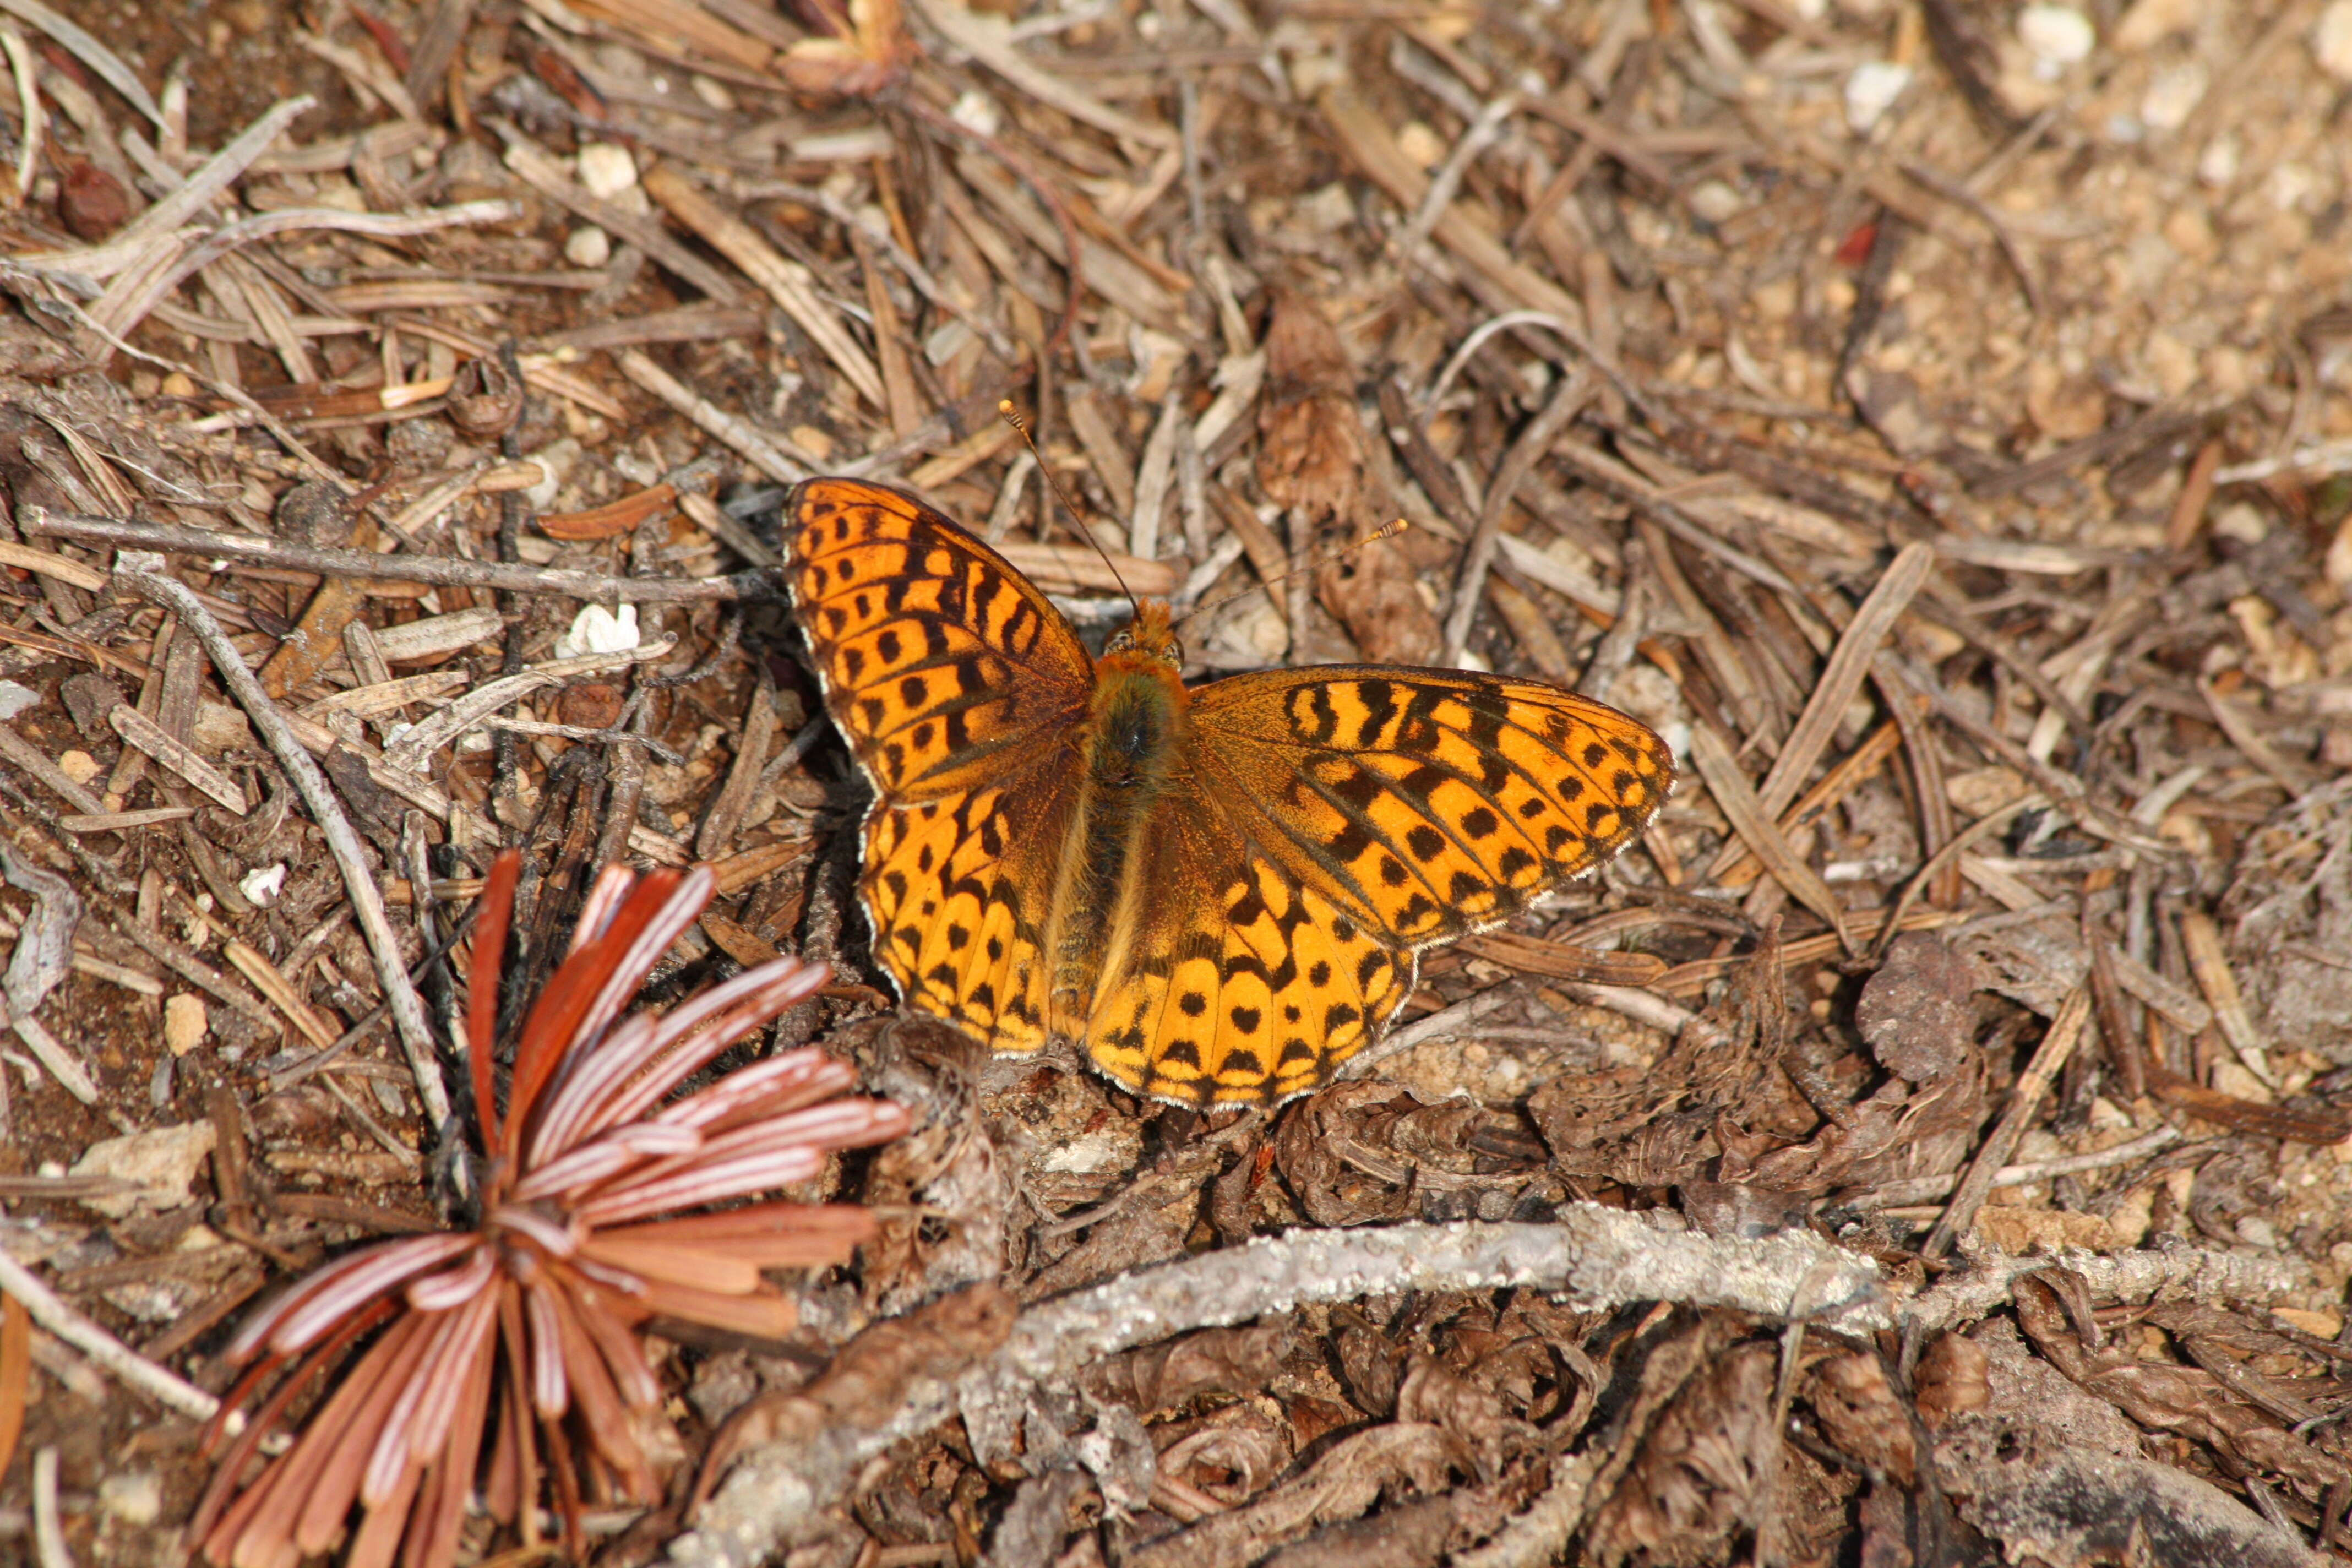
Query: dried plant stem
{"x":1603,"y":1256}
{"x":439,"y":570}
{"x":367,"y":900}
{"x":50,"y":1311}
{"x":2182,"y":1274}
{"x":1519,"y":462}
{"x":2057,"y":1045}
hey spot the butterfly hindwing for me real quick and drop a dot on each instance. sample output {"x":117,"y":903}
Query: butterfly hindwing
{"x":953,"y":887}
{"x":1237,"y":983}
{"x":1427,"y":803}
{"x":943,"y":666}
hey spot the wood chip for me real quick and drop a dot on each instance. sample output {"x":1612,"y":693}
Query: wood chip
{"x":435,"y":636}
{"x":2201,"y":940}
{"x":787,"y":282}
{"x":1738,"y":800}
{"x":149,"y":737}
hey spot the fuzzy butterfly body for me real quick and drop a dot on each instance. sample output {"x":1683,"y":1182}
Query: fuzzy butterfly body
{"x":1219,"y":892}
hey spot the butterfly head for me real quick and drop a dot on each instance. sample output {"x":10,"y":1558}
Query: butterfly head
{"x":1149,"y":638}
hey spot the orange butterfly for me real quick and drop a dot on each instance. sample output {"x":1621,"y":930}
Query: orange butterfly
{"x":1220,"y":892}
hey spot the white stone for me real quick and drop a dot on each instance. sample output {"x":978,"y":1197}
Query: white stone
{"x":1872,"y":91}
{"x":163,"y":1162}
{"x":2331,"y":40}
{"x":2218,"y":165}
{"x":554,"y":461}
{"x":16,"y":698}
{"x":596,"y":629}
{"x":1713,"y":201}
{"x":2172,"y":95}
{"x":262,"y":886}
{"x":588,"y":245}
{"x":975,"y":110}
{"x":2056,"y":36}
{"x":134,"y":1497}
{"x":607,"y":169}
{"x":184,"y":1022}
{"x":2152,"y":21}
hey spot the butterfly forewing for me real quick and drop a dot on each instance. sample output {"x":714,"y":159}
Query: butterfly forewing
{"x":1426,"y":802}
{"x":944,"y":667}
{"x":959,"y":688}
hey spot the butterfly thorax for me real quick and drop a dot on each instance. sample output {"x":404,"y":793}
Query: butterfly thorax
{"x":1131,"y":753}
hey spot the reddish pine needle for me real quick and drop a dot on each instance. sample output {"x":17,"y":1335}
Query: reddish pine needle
{"x":522,"y":1335}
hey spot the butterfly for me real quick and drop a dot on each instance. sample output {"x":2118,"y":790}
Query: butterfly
{"x":1221,"y":892}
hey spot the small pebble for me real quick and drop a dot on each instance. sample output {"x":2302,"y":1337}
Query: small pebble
{"x":80,"y":767}
{"x":184,"y":1022}
{"x":2218,"y":165}
{"x":588,"y":245}
{"x":262,"y":887}
{"x":16,"y":698}
{"x":1421,"y":144}
{"x":2172,"y":95}
{"x":1872,"y":91}
{"x":2056,"y":36}
{"x":975,"y":110}
{"x":607,"y":169}
{"x":1713,"y":201}
{"x":2152,"y":21}
{"x":2331,"y":40}
{"x":134,"y":1497}
{"x":596,"y":629}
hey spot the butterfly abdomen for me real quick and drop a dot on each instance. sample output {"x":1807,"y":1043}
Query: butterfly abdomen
{"x":1128,"y":757}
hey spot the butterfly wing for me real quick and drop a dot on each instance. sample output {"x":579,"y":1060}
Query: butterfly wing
{"x":958,"y":688}
{"x":944,"y":667}
{"x":1233,"y":982}
{"x":1425,"y":803}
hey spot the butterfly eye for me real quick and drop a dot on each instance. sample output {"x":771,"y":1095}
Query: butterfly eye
{"x":1172,"y":651}
{"x":1121,"y":642}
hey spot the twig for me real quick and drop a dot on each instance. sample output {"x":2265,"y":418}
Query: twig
{"x":440,"y":570}
{"x":1926,"y":1189}
{"x":2024,"y":1099}
{"x":49,"y":1547}
{"x":367,"y":903}
{"x":51,"y":1312}
{"x":28,"y":106}
{"x":101,"y":61}
{"x":1602,"y":1256}
{"x":1752,"y":819}
{"x":1843,"y":676}
{"x":415,"y":745}
{"x":1525,"y":453}
{"x":786,"y":281}
{"x":763,"y":450}
{"x":2185,"y":1273}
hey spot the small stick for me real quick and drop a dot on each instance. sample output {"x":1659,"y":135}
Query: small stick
{"x":762,"y":449}
{"x":1534,"y":441}
{"x":439,"y":570}
{"x":367,"y":903}
{"x":51,"y":1312}
{"x":2051,"y":1054}
{"x":2201,"y":938}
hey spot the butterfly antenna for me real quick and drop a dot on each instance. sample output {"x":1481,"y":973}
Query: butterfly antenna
{"x":1386,"y":530}
{"x":1011,"y":416}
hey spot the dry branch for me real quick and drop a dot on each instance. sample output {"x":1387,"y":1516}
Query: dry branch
{"x":434,"y":569}
{"x":367,"y":902}
{"x":1602,"y":1256}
